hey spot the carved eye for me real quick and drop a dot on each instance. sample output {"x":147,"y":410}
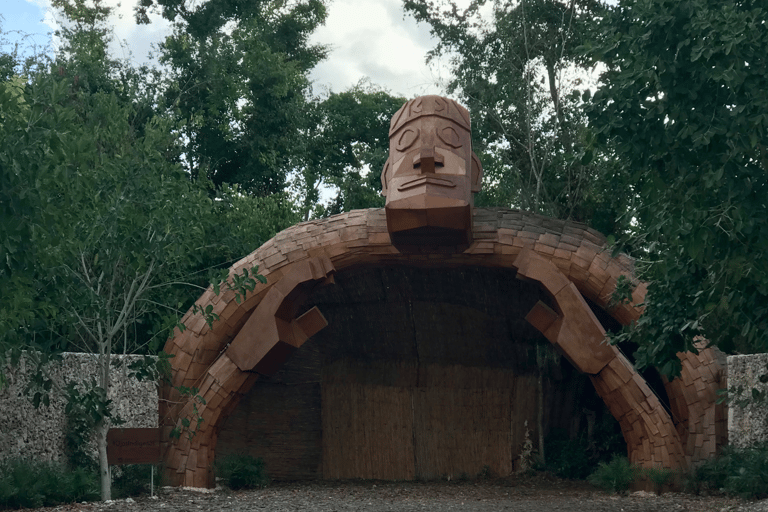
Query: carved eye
{"x":450,"y":137}
{"x":407,"y":138}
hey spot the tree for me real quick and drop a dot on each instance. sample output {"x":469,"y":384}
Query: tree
{"x":96,"y":220}
{"x":520,"y":73}
{"x":238,"y":85}
{"x":113,"y":220}
{"x":346,"y":146}
{"x":683,"y":104}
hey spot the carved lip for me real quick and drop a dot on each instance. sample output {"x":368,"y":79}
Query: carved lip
{"x":421,"y":180}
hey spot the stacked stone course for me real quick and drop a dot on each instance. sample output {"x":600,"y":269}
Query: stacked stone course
{"x":38,"y":434}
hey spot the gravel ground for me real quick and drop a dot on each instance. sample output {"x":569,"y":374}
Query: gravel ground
{"x":537,"y":494}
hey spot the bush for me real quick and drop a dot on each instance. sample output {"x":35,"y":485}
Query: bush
{"x":577,"y":458}
{"x":742,"y":472}
{"x":659,"y":477}
{"x":615,"y":476}
{"x":27,"y":484}
{"x":568,"y":458}
{"x":243,"y":472}
{"x":132,"y":480}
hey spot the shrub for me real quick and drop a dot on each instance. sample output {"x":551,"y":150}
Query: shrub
{"x":132,"y":480}
{"x":568,"y":458}
{"x":27,"y":484}
{"x":243,"y":472}
{"x":739,"y":471}
{"x":745,"y":471}
{"x":659,"y":477}
{"x":577,"y":458}
{"x":615,"y":476}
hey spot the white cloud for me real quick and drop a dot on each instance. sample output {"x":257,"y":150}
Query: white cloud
{"x":368,"y":39}
{"x":373,"y":39}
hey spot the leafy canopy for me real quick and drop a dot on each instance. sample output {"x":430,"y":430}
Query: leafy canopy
{"x":683,"y":103}
{"x":518,"y":67}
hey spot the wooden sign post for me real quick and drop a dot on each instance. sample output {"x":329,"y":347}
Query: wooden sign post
{"x":134,"y":446}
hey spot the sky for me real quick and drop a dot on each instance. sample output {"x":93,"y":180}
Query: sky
{"x":369,"y":39}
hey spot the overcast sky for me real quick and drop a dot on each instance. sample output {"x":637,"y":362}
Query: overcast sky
{"x":369,"y":38}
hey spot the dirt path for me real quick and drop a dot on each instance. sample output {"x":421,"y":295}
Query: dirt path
{"x":531,"y":495}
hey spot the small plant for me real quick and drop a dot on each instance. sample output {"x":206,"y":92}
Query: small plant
{"x":614,"y":476}
{"x":243,"y":472}
{"x":659,"y":477}
{"x":748,"y":473}
{"x":569,"y":458}
{"x":132,"y":480}
{"x":738,"y":471}
{"x":485,"y":473}
{"x":27,"y":484}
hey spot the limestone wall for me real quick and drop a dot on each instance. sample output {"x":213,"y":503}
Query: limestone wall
{"x":38,"y":434}
{"x":749,"y":424}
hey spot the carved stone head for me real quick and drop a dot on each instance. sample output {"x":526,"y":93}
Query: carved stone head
{"x":431,"y":174}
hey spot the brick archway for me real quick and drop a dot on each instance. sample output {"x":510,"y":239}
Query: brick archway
{"x":567,"y":259}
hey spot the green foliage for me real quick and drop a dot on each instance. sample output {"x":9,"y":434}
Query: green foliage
{"x":245,"y":222}
{"x":742,"y":472}
{"x":659,"y":477}
{"x":83,"y":412}
{"x":346,"y":148}
{"x":578,"y":458}
{"x":26,"y":484}
{"x":242,"y":472}
{"x":133,"y":479}
{"x":239,"y":94}
{"x":682,"y":104}
{"x":614,"y":476}
{"x":150,"y":368}
{"x":192,"y":395}
{"x":622,"y":293}
{"x":519,"y":74}
{"x":568,"y":458}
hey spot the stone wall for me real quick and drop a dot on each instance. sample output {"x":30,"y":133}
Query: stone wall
{"x":38,"y":434}
{"x":747,"y":425}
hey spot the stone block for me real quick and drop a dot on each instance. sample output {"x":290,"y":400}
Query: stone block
{"x":748,"y":425}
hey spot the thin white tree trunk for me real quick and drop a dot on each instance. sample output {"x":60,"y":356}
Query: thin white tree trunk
{"x":104,"y":476}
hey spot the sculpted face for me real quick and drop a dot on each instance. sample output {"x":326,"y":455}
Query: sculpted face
{"x":431,"y":174}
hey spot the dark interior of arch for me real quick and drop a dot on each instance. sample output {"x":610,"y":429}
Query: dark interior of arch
{"x":422,"y":372}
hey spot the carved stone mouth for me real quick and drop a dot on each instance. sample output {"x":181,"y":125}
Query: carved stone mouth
{"x":421,"y":180}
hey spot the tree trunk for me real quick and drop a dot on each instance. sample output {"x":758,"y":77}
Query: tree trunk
{"x":104,"y":361}
{"x":101,"y":444}
{"x":554,"y":94}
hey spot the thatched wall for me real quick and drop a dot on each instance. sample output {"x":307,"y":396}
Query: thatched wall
{"x":421,"y":373}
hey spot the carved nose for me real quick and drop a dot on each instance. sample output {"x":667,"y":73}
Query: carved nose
{"x":427,"y":159}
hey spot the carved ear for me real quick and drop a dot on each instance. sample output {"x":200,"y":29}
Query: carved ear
{"x":477,"y":174}
{"x":385,"y":178}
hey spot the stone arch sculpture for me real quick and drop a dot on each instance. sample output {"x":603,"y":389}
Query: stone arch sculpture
{"x":569,"y":261}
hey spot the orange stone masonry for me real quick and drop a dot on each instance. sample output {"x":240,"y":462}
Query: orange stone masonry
{"x":570,"y":261}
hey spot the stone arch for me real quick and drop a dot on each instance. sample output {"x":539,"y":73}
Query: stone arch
{"x":567,"y":259}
